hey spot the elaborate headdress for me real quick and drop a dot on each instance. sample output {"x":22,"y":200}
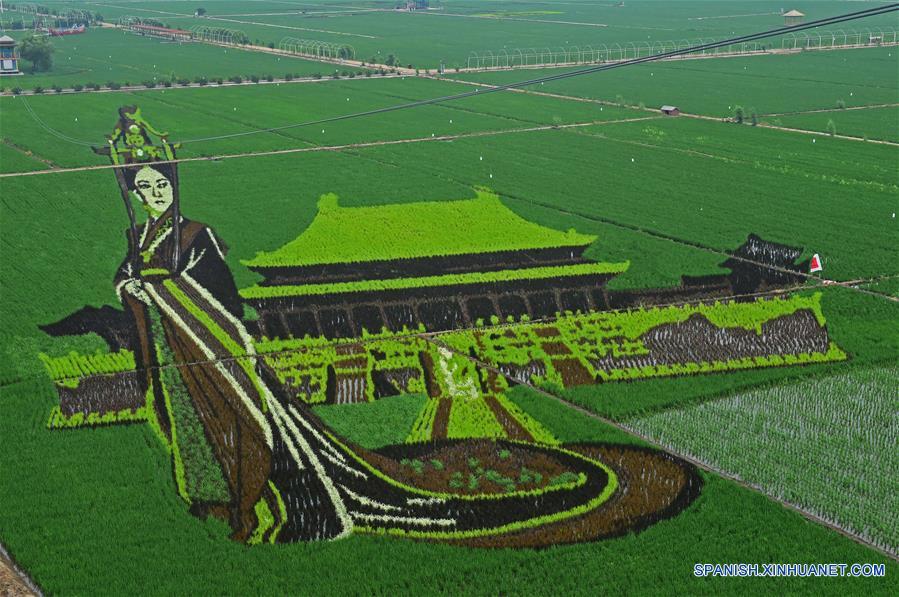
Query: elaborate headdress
{"x":135,"y":143}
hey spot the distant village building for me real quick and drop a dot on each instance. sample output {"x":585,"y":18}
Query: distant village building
{"x":9,"y":59}
{"x":793,"y":17}
{"x":670,"y":110}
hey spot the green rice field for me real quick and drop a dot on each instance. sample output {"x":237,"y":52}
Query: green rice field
{"x":582,"y":177}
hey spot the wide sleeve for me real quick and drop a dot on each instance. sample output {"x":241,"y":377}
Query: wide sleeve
{"x":203,"y":261}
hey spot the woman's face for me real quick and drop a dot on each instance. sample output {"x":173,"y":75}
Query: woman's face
{"x":154,"y":189}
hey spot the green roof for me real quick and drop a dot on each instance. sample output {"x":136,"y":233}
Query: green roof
{"x":501,"y":276}
{"x":412,"y":230}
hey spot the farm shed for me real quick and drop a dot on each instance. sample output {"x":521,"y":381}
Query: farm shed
{"x":670,"y":110}
{"x":9,"y":60}
{"x":793,"y":17}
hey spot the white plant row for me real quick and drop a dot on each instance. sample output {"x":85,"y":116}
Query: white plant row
{"x":829,"y":446}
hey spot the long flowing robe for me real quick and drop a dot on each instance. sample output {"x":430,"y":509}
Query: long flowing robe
{"x":243,"y":451}
{"x":192,"y":349}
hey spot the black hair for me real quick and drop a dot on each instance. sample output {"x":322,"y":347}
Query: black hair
{"x":167,"y":170}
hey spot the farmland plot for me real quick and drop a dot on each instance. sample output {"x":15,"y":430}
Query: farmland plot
{"x":160,"y":542}
{"x":103,"y":55}
{"x":453,"y":32}
{"x":211,"y":113}
{"x":870,"y":123}
{"x":716,"y":86}
{"x":811,"y":443}
{"x":696,"y":196}
{"x":660,"y":199}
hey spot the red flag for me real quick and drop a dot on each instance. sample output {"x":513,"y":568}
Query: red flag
{"x":815,"y":265}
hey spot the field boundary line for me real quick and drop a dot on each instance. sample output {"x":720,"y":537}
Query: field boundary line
{"x":209,"y":85}
{"x":574,"y":98}
{"x":767,"y":125}
{"x":279,"y":52}
{"x":226,"y":20}
{"x":28,"y":153}
{"x":682,"y":58}
{"x":501,"y":18}
{"x":698,"y":463}
{"x":18,"y":574}
{"x":347,"y":146}
{"x":848,"y":284}
{"x":818,"y":110}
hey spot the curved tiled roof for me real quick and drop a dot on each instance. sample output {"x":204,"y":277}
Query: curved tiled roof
{"x":340,"y":234}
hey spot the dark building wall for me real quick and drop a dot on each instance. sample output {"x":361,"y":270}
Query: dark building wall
{"x":425,"y":266}
{"x":438,"y":309}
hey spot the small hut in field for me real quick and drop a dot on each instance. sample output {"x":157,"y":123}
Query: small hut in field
{"x":793,"y":17}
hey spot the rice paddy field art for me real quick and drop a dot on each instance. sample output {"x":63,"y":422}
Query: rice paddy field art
{"x":536,"y":340}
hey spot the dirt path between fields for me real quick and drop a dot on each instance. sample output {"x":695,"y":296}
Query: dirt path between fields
{"x":225,"y":19}
{"x":28,"y":153}
{"x":208,"y":85}
{"x":820,"y":110}
{"x":349,"y":146}
{"x":573,"y":98}
{"x":14,"y":582}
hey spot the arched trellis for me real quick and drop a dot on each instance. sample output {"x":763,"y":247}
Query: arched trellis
{"x":574,"y":54}
{"x":599,"y":53}
{"x":814,"y":39}
{"x":517,"y":55}
{"x":709,"y":51}
{"x":788,"y":42}
{"x":502,"y":58}
{"x":839,"y":38}
{"x":323,"y":49}
{"x":833,"y":38}
{"x":619,"y":52}
{"x":220,"y":35}
{"x":660,"y":47}
{"x":633,"y":48}
{"x":560,"y":56}
{"x":588,"y":54}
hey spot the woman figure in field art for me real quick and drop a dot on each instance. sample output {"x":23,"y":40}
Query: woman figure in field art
{"x":240,"y":449}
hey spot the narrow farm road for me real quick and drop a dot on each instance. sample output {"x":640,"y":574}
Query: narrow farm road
{"x":821,"y":110}
{"x":684,"y":114}
{"x":347,"y":146}
{"x":13,"y":581}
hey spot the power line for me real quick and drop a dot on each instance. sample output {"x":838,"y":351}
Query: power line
{"x":549,"y":78}
{"x":419,"y":335}
{"x":575,"y":73}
